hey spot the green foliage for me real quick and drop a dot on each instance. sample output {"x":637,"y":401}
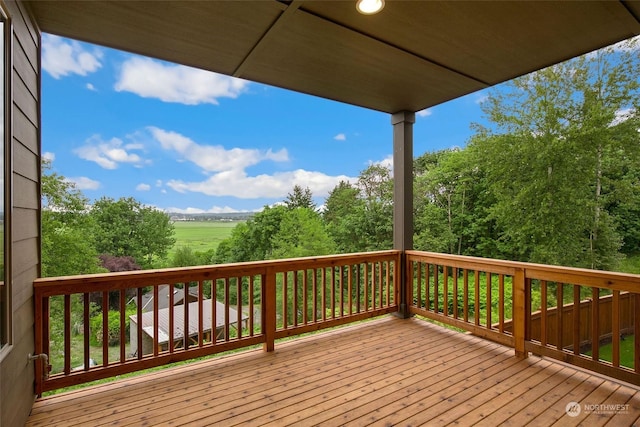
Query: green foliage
{"x":127,"y":228}
{"x":300,"y":198}
{"x":252,"y":240}
{"x":553,"y":179}
{"x":301,"y":234}
{"x":113,"y":333}
{"x":68,"y":247}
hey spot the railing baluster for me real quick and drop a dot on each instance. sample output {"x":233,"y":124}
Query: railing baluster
{"x":636,"y":332}
{"x":543,"y":313}
{"x":427,"y":284}
{"x":341,"y":286}
{"x":214,"y":311}
{"x":186,"y":334}
{"x":488,"y":279}
{"x":465,"y":294}
{"x":285,"y":300}
{"x":314,"y":285}
{"x":380,"y":284}
{"x":418,"y":285}
{"x":595,"y":324}
{"x":350,"y":288}
{"x":501,"y":302}
{"x":156,"y":321}
{"x":615,"y":329}
{"x":123,"y":308}
{"x":388,"y":272}
{"x":251,"y":296}
{"x":200,"y":314}
{"x":139,"y":321}
{"x":576,"y":319}
{"x":436,"y":291}
{"x":105,"y":328}
{"x":324,"y":294}
{"x":86,"y":329}
{"x":239,"y":314}
{"x":358,"y":277}
{"x":171,"y":320}
{"x":295,"y":298}
{"x":67,"y":334}
{"x":455,"y":293}
{"x":366,"y":286}
{"x":559,"y":315}
{"x":476,"y":305}
{"x":227,"y":300}
{"x":445,"y":290}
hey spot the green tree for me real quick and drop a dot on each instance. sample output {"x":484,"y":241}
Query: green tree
{"x":343,"y":209}
{"x":127,"y":228}
{"x":557,"y":138}
{"x":300,"y":198}
{"x":252,"y":240}
{"x":67,"y":231}
{"x":302,"y":233}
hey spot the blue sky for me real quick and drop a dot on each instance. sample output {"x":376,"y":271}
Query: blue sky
{"x":186,"y":140}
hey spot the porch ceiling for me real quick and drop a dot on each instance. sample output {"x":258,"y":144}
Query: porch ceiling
{"x":412,"y":55}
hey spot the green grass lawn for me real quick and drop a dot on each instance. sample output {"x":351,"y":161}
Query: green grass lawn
{"x":201,"y":236}
{"x":626,"y":351}
{"x":631,"y":264}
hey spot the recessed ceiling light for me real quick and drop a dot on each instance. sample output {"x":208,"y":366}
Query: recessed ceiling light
{"x":369,"y":7}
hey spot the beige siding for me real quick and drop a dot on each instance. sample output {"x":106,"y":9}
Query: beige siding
{"x":16,"y":374}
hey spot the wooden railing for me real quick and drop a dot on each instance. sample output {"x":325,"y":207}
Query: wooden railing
{"x":104,"y":325}
{"x":100,"y":326}
{"x":559,"y":312}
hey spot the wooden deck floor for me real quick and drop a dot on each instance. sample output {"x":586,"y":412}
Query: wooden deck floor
{"x":385,"y":372}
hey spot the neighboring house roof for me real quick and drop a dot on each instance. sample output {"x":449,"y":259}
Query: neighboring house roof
{"x":163,"y":297}
{"x":178,"y":320}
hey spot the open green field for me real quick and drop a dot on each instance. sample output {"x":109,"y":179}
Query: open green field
{"x":201,"y":236}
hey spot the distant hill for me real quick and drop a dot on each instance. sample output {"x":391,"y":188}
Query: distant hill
{"x":234,"y":216}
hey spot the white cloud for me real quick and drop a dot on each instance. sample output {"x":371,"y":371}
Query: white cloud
{"x":61,"y":57}
{"x":340,"y":137}
{"x":47,"y":155}
{"x":387,"y":162}
{"x":143,"y":187}
{"x":159,"y":183}
{"x":622,"y":116}
{"x":84,"y":183}
{"x":176,"y":83}
{"x":91,"y":87}
{"x":424,"y":113}
{"x":214,"y":158}
{"x":109,"y":154}
{"x":239,"y":184}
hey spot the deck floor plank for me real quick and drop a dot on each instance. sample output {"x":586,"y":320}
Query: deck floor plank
{"x":387,"y":371}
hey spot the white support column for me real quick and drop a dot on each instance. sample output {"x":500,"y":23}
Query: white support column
{"x":403,"y":193}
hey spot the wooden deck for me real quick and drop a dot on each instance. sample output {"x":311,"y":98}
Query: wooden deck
{"x":385,"y":372}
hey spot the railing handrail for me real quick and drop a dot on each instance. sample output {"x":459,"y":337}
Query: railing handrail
{"x":111,"y":281}
{"x":553,"y":273}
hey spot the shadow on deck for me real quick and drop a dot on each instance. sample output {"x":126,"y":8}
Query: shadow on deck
{"x":388,"y":371}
